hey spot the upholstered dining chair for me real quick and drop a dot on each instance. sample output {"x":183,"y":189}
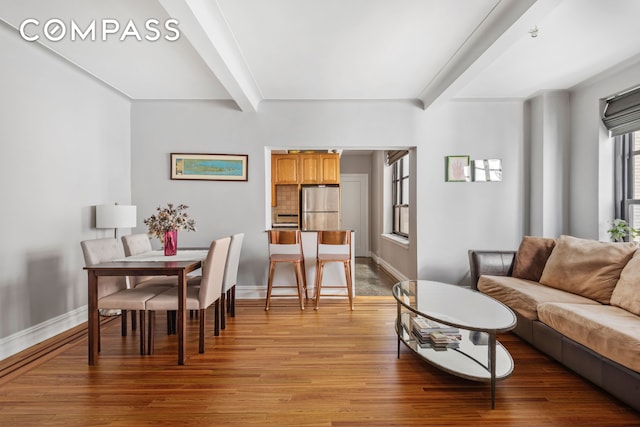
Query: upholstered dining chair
{"x":113,"y":292}
{"x":333,"y":246}
{"x":136,"y":244}
{"x":285,"y":246}
{"x":228,"y":300}
{"x":198,"y":297}
{"x":228,"y":296}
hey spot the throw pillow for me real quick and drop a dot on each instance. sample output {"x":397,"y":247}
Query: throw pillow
{"x":531,"y":257}
{"x":626,"y":294}
{"x":586,"y":267}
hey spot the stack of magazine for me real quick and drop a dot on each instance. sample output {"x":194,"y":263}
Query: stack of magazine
{"x":435,"y":335}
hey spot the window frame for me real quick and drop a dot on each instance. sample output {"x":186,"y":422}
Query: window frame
{"x":400,"y":184}
{"x":626,"y":182}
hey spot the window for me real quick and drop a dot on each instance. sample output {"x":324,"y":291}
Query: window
{"x":628,"y":178}
{"x":400,"y":195}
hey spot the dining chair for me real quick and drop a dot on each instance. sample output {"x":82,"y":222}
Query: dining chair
{"x":228,"y":296}
{"x":198,"y":297}
{"x":113,"y":292}
{"x":136,"y":244}
{"x":333,"y":246}
{"x":285,"y":247}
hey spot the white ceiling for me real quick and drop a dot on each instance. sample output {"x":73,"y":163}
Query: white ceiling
{"x":251,"y":50}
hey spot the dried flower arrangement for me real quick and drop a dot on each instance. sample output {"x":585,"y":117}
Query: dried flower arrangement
{"x":168,"y":219}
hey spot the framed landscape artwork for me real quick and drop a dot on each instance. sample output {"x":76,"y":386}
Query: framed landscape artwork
{"x":456,"y":168}
{"x":209,"y":167}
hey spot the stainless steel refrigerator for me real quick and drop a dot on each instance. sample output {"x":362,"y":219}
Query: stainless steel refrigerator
{"x":320,"y":207}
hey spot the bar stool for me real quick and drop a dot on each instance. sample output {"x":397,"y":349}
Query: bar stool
{"x":333,"y":238}
{"x":285,"y":246}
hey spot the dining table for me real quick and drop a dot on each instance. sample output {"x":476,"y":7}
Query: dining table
{"x":153,"y":263}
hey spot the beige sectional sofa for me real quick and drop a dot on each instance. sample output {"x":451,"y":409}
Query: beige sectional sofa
{"x":577,"y":300}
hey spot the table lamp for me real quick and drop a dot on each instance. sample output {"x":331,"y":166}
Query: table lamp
{"x":115,"y":216}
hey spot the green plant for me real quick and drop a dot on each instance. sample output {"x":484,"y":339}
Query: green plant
{"x":621,"y":229}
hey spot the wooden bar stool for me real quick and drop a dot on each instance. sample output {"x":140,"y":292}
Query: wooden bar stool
{"x":285,"y":246}
{"x":333,"y":238}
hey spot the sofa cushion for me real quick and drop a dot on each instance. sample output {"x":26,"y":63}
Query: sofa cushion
{"x":524,"y":296}
{"x":610,"y":331}
{"x":531,"y":257}
{"x":586,"y":267}
{"x":626,"y":294}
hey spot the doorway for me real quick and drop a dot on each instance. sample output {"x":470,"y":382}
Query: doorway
{"x":354,"y":195}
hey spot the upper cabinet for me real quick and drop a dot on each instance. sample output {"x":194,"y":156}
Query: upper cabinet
{"x":308,"y":168}
{"x":284,"y":169}
{"x":330,"y":168}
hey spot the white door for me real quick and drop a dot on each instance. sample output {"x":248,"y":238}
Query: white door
{"x":354,"y":194}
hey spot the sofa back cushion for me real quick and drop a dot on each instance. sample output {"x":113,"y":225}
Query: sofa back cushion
{"x":626,"y":294}
{"x":586,"y":267}
{"x":531,"y":257}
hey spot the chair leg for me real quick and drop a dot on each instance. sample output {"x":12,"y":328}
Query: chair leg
{"x":318,"y":284}
{"x":216,"y":318}
{"x":347,"y":271}
{"x":201,"y":337}
{"x":123,"y":316}
{"x":99,"y":334}
{"x":133,"y":320}
{"x":223,"y":304}
{"x":142,"y":332}
{"x":301,"y":283}
{"x":232,"y":301}
{"x":171,"y":322}
{"x":152,"y":321}
{"x":269,"y":284}
{"x":304,"y":280}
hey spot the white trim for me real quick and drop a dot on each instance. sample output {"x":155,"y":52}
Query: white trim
{"x":29,"y":337}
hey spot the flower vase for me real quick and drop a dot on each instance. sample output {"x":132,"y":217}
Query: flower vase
{"x":170,"y":242}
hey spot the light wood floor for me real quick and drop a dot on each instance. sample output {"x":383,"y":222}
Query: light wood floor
{"x":331,"y":367}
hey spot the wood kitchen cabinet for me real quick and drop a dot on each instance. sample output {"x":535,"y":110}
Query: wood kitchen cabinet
{"x":319,"y":168}
{"x":330,"y":168}
{"x":308,"y":168}
{"x":284,"y":169}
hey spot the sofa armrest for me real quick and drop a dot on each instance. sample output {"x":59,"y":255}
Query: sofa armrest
{"x":494,"y":263}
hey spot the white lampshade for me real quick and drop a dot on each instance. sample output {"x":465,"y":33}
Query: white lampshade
{"x":115,"y":216}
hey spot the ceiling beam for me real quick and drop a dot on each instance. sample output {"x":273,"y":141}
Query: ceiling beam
{"x":499,"y":20}
{"x":202,"y":22}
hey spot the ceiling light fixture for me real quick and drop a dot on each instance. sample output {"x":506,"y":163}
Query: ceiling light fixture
{"x":534,"y":31}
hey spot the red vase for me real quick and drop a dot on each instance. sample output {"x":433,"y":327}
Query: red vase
{"x":170,"y":242}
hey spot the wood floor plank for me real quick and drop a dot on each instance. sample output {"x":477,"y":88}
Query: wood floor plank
{"x":331,"y":367}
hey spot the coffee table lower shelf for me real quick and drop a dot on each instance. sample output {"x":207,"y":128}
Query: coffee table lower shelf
{"x":469,"y":361}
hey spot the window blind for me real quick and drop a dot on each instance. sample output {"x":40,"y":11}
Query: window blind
{"x":622,"y":113}
{"x":392,"y":156}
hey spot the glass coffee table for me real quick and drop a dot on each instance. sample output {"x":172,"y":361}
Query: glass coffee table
{"x":469,"y":319}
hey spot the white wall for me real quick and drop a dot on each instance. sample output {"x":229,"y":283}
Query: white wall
{"x":453,"y":217}
{"x":449,"y":217}
{"x":548,"y":164}
{"x":591,"y":182}
{"x":64,"y":145}
{"x":222,"y":208}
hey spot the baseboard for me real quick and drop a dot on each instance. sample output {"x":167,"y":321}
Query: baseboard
{"x":251,"y":292}
{"x":389,"y":268}
{"x":29,"y":337}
